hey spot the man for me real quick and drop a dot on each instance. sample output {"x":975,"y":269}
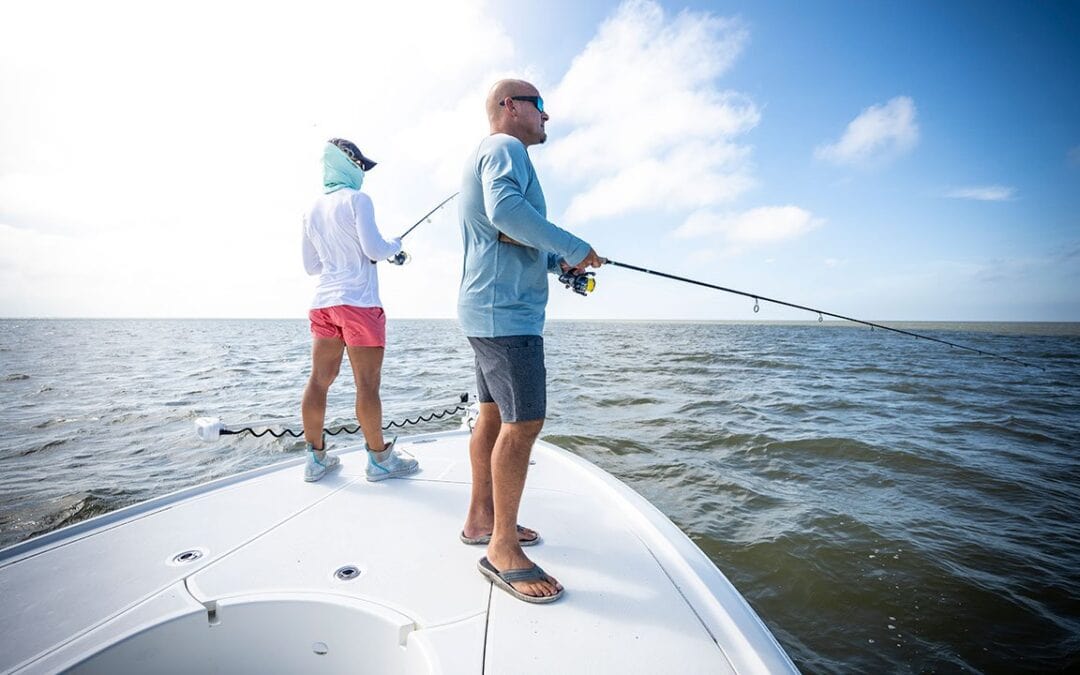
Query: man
{"x":510,"y":246}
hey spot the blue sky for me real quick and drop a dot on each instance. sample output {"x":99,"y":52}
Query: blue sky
{"x":891,"y":161}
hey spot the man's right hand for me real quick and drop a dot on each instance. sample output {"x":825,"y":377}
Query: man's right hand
{"x":590,"y":260}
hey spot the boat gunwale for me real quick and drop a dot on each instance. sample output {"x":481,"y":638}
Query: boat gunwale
{"x":71,"y":533}
{"x":683,"y":561}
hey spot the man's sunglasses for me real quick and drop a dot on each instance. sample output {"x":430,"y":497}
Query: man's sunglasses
{"x":537,"y":101}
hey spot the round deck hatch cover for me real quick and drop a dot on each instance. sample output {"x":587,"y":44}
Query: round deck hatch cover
{"x":189,"y":556}
{"x":347,"y":573}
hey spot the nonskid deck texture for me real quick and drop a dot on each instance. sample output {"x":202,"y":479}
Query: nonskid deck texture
{"x":108,"y":595}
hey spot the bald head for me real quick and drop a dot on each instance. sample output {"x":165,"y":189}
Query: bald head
{"x":521,"y":119}
{"x":502,"y":90}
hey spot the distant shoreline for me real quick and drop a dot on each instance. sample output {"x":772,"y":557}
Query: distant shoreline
{"x":1048,"y":328}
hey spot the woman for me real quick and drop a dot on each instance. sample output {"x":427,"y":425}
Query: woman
{"x":341,"y":245}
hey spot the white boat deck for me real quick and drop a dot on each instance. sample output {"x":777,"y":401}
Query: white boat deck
{"x":107,"y":596}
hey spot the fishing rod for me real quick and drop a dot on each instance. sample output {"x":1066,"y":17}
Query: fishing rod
{"x":428,"y":214}
{"x":403,"y":257}
{"x":580,"y":288}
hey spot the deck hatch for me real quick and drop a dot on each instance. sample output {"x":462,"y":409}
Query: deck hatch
{"x":347,"y":573}
{"x":189,"y":556}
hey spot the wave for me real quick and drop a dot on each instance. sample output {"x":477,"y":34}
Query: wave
{"x":74,"y":508}
{"x":871,"y":501}
{"x":40,"y":448}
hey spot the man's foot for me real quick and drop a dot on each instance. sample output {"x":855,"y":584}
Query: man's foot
{"x":390,"y":463}
{"x":537,"y":584}
{"x":526,"y":537}
{"x":318,"y":464}
{"x":523,"y":582}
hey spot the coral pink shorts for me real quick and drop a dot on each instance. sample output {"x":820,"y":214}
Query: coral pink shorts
{"x":357,"y":326}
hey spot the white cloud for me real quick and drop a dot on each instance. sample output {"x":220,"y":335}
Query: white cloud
{"x":687,"y":177}
{"x":198,"y":134}
{"x":879,"y":133}
{"x":158,"y":166}
{"x":648,"y":125}
{"x":701,"y":255}
{"x":764,"y":225}
{"x":985,"y":193}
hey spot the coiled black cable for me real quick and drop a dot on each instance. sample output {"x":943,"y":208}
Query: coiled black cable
{"x":353,"y":429}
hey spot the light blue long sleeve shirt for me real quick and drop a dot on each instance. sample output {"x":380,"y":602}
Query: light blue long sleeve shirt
{"x":504,"y":287}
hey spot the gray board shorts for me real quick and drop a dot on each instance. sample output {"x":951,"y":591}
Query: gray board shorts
{"x":510,"y":372}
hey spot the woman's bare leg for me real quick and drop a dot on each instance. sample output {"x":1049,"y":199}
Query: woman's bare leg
{"x":325,"y":364}
{"x":366,"y":365}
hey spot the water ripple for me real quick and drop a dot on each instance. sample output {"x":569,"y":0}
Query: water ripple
{"x":885,"y":504}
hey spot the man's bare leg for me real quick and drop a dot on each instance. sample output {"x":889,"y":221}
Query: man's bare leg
{"x":481,"y":517}
{"x":509,"y":466}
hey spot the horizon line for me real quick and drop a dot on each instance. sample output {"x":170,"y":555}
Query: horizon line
{"x":831,"y":321}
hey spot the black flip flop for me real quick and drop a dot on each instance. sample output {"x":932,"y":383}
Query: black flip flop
{"x":503,"y":579}
{"x":486,"y":539}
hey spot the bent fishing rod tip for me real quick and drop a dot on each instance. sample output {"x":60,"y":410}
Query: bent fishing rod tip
{"x":820,"y":312}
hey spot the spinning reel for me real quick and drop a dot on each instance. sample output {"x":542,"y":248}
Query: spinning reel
{"x":582,"y":284}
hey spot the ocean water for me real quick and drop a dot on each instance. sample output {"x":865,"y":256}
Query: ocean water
{"x":885,"y":504}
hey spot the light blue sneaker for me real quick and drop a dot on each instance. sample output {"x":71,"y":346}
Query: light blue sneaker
{"x":395,"y":463}
{"x":316,"y":468}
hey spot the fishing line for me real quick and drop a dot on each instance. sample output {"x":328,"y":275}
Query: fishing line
{"x":819,"y":312}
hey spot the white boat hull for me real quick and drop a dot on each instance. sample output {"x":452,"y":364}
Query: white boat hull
{"x":259,"y":593}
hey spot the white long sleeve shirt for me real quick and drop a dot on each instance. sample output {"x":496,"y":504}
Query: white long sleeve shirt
{"x":340,"y":241}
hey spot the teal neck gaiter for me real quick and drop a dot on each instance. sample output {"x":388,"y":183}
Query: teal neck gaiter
{"x":339,"y":171}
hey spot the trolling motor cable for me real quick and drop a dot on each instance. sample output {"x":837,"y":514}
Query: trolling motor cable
{"x":819,"y":312}
{"x":402,"y":257}
{"x":210,"y":428}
